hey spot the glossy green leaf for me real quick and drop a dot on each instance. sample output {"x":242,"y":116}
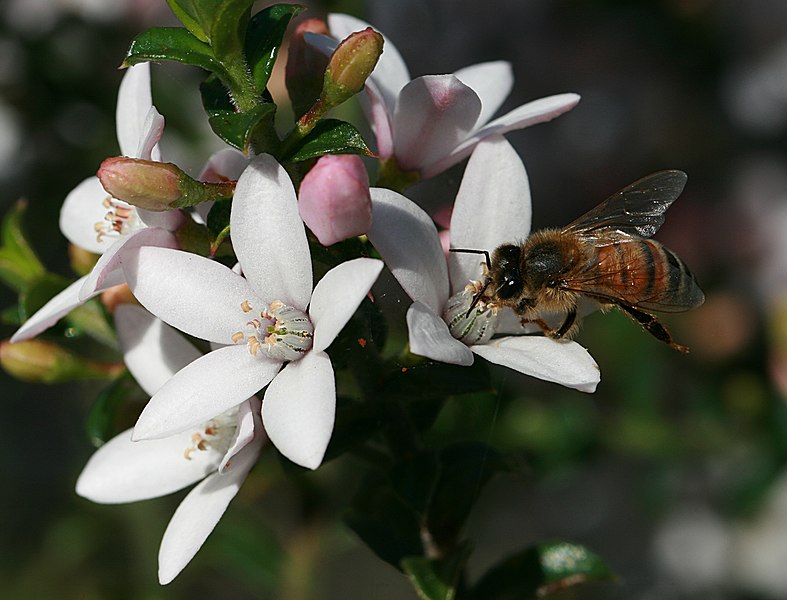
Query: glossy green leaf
{"x":19,"y":265}
{"x":264,"y":38}
{"x":329,"y":136}
{"x":174,"y":43}
{"x":215,"y":97}
{"x":100,"y":422}
{"x":541,"y":570}
{"x":184,"y":11}
{"x":228,"y":27}
{"x":238,"y":128}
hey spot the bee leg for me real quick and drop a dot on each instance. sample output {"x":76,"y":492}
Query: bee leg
{"x":652,"y":326}
{"x":548,"y":331}
{"x":568,"y":324}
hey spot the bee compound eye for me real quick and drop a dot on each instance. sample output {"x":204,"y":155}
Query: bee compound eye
{"x":509,"y":288}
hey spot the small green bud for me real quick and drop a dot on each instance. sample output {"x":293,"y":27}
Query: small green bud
{"x":39,"y":361}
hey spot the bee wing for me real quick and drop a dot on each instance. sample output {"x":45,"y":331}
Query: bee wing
{"x":637,"y":210}
{"x":655,"y":280}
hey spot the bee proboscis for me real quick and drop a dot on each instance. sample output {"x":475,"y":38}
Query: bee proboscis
{"x":605,"y":255}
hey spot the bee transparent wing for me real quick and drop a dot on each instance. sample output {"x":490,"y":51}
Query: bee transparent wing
{"x":635,"y":211}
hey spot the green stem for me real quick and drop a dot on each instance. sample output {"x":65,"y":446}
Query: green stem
{"x":241,"y":85}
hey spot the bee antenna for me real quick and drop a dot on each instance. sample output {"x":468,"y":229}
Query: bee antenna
{"x":470,"y":251}
{"x":476,"y":299}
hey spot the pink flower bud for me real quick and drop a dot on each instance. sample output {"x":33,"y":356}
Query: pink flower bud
{"x":39,"y":361}
{"x":334,"y":199}
{"x":351,"y":64}
{"x":143,"y":183}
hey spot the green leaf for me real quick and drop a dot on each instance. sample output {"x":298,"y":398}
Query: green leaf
{"x":174,"y":43}
{"x":100,"y":422}
{"x":541,"y":570}
{"x":414,"y":479}
{"x":238,"y":128}
{"x":215,"y":97}
{"x":355,"y":423}
{"x":264,"y":37}
{"x":464,"y":470}
{"x":19,"y":265}
{"x":90,"y":319}
{"x":426,"y":580}
{"x":329,"y":136}
{"x":437,"y":380}
{"x":218,"y":218}
{"x":40,"y":291}
{"x":228,"y":28}
{"x":184,"y":11}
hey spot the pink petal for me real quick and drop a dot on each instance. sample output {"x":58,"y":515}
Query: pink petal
{"x":406,"y":238}
{"x":125,"y":471}
{"x":566,"y":363}
{"x":492,"y":208}
{"x":299,"y":408}
{"x":205,"y":388}
{"x":152,"y":350}
{"x":200,"y":511}
{"x":337,"y":296}
{"x":433,"y":115}
{"x":268,"y":235}
{"x":492,"y":81}
{"x":532,"y":113}
{"x":194,"y":294}
{"x":430,"y":337}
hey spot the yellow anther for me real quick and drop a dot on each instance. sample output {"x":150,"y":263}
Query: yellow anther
{"x":237,"y":337}
{"x":245,"y":306}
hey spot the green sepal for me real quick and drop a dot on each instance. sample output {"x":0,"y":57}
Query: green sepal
{"x":173,"y":43}
{"x":184,"y":11}
{"x":19,"y":265}
{"x":100,"y":422}
{"x":329,"y":136}
{"x":541,"y":570}
{"x":264,"y":38}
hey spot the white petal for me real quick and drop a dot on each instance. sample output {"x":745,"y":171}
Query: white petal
{"x":152,"y":130}
{"x":198,"y":514}
{"x":492,"y":81}
{"x":59,"y":306}
{"x":429,"y":337}
{"x":299,"y":409}
{"x":407,"y":239}
{"x":433,"y":115}
{"x":532,"y":113}
{"x":566,"y":363}
{"x":110,"y":261}
{"x":380,"y":117}
{"x":165,"y":219}
{"x":126,"y":471}
{"x":226,"y":164}
{"x":391,"y":74}
{"x":249,"y":429}
{"x":492,"y":208}
{"x":133,"y":104}
{"x":152,"y":350}
{"x":268,"y":235}
{"x":194,"y":294}
{"x":337,"y":296}
{"x":205,"y":388}
{"x":81,"y":210}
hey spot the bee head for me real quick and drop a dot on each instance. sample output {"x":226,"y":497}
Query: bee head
{"x":506,"y":271}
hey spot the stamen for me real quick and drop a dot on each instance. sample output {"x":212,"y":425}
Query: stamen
{"x":237,"y":337}
{"x":245,"y":306}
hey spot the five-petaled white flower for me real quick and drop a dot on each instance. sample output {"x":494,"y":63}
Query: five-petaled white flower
{"x":217,"y":453}
{"x":270,"y":317}
{"x":492,"y":207}
{"x":430,"y":123}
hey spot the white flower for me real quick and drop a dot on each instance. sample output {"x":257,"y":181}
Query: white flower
{"x":492,"y":207}
{"x":431,"y":123}
{"x":93,"y":220}
{"x":270,"y":317}
{"x":218,"y":453}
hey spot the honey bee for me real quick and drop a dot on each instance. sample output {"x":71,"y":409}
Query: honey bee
{"x":604,"y":255}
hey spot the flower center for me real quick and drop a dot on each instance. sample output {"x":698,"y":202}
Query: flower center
{"x":216,"y":435}
{"x":119,"y":219}
{"x":282,"y":332}
{"x":476,"y":326}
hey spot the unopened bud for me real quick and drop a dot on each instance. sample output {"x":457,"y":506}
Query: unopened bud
{"x":348,"y":69}
{"x":305,"y":66}
{"x":155,"y":185}
{"x":39,"y":361}
{"x":334,"y":199}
